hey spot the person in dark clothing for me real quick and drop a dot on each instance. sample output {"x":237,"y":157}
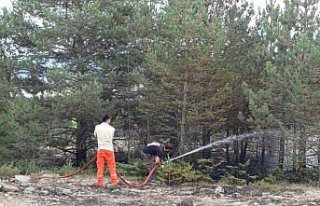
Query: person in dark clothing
{"x":157,"y":150}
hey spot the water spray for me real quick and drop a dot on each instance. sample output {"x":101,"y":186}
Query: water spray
{"x":229,"y":140}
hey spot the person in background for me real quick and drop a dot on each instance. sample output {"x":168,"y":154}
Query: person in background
{"x":104,"y":133}
{"x":157,"y":150}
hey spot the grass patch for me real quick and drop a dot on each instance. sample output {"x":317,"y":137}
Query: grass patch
{"x":8,"y":170}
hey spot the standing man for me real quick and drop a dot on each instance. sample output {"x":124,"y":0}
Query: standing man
{"x":104,"y":133}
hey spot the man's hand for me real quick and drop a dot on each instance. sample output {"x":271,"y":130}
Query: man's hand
{"x":157,"y":160}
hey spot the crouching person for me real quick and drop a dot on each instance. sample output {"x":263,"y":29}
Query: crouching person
{"x":157,"y":151}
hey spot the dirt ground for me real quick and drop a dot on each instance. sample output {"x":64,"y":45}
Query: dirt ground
{"x":80,"y":191}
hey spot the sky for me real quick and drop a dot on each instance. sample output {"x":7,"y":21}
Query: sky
{"x":257,"y":3}
{"x":5,"y":3}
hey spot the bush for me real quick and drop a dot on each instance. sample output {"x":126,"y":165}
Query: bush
{"x":28,"y":168}
{"x":8,"y":170}
{"x":173,"y":173}
{"x":232,"y":180}
{"x":66,"y":169}
{"x":138,"y":169}
{"x":310,"y":176}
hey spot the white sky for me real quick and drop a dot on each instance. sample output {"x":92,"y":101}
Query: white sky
{"x":5,"y":3}
{"x":258,"y":3}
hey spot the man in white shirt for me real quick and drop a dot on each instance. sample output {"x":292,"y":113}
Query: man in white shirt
{"x":104,"y":133}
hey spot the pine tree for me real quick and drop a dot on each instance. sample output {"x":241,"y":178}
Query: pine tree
{"x":185,"y":85}
{"x":285,"y":92}
{"x":80,"y":58}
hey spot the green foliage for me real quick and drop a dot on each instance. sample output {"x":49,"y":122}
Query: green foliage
{"x":205,"y":166}
{"x":138,"y":169}
{"x":166,"y":72}
{"x":266,"y":185}
{"x":284,"y":92}
{"x":66,"y":168}
{"x":28,"y":167}
{"x":174,"y":173}
{"x":308,"y":176}
{"x":232,"y":180}
{"x":8,"y":170}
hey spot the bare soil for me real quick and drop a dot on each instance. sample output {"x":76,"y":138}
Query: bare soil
{"x":81,"y":191}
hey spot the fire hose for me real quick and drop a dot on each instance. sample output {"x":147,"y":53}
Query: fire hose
{"x":214,"y":144}
{"x":73,"y":173}
{"x":130,"y":184}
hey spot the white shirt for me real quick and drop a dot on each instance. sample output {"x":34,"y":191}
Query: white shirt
{"x":104,"y":134}
{"x":154,"y":144}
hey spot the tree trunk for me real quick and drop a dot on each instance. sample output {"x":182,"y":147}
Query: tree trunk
{"x":206,"y":153}
{"x":281,"y":152}
{"x":236,"y":151}
{"x":294,"y":156}
{"x":263,"y":152}
{"x":81,"y":157}
{"x":302,"y":153}
{"x":81,"y":150}
{"x":183,"y":118}
{"x":244,"y":145}
{"x":228,"y":150}
{"x":227,"y":154}
{"x":318,"y":151}
{"x":236,"y":145}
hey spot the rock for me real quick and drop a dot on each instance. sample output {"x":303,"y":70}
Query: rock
{"x":239,"y":187}
{"x":220,"y":195}
{"x":255,"y":204}
{"x":236,"y":195}
{"x":9,"y":188}
{"x":66,"y":191}
{"x":185,"y":193}
{"x":186,"y":202}
{"x":29,"y":190}
{"x":275,"y":198}
{"x":45,"y":192}
{"x":265,"y":194}
{"x":22,"y":178}
{"x":219,"y":190}
{"x":204,"y":190}
{"x":49,"y":175}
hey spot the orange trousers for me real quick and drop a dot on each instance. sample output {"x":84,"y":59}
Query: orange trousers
{"x":108,"y":156}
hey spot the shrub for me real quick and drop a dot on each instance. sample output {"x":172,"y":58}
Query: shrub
{"x":307,"y":175}
{"x":8,"y":170}
{"x":138,"y":169}
{"x":173,"y":173}
{"x":232,"y":180}
{"x":28,"y":168}
{"x":66,"y":169}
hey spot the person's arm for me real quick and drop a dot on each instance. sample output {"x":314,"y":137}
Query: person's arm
{"x":95,"y":132}
{"x":159,"y":155}
{"x":157,"y":160}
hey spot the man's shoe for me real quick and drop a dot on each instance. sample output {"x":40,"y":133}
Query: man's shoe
{"x":113,"y":186}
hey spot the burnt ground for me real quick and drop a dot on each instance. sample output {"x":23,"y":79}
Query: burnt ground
{"x":80,"y":191}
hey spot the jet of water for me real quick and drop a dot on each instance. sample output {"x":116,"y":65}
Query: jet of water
{"x":229,"y":140}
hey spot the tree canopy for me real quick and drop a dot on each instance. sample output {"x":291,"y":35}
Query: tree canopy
{"x":181,"y":71}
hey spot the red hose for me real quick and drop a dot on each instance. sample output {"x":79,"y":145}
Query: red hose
{"x":131,"y":184}
{"x":73,"y":173}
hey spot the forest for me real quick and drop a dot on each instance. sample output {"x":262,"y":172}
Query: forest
{"x":188,"y":72}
